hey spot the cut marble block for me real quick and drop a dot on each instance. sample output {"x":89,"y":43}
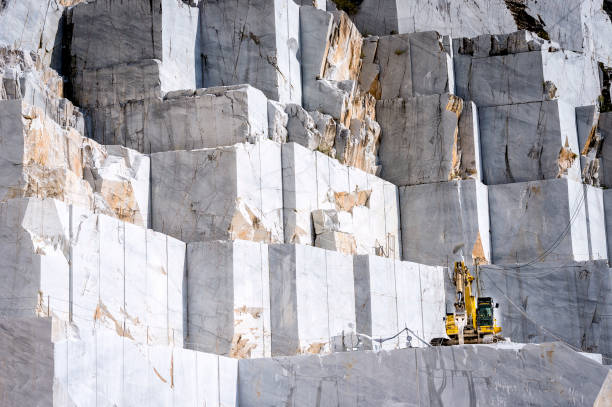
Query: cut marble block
{"x":33,"y":26}
{"x":522,"y":77}
{"x":391,"y":295}
{"x":67,"y":367}
{"x":187,"y":120}
{"x":92,"y":269}
{"x":445,"y":222}
{"x":107,"y":32}
{"x":548,"y":301}
{"x":255,"y":42}
{"x":313,"y":181}
{"x":312,"y":300}
{"x":39,"y":158}
{"x":228,"y":299}
{"x":24,"y":76}
{"x":407,"y":65}
{"x":223,"y":193}
{"x":427,"y":376}
{"x":533,"y":221}
{"x":528,"y":142}
{"x":428,"y":139}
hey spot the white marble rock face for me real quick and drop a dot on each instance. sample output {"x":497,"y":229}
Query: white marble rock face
{"x":313,"y":182}
{"x":312,"y":300}
{"x":255,"y":42}
{"x":69,"y":263}
{"x":228,"y":298}
{"x":68,"y":367}
{"x":223,"y":193}
{"x":545,"y":220}
{"x":445,"y":222}
{"x":39,"y":158}
{"x":25,"y":76}
{"x":33,"y":26}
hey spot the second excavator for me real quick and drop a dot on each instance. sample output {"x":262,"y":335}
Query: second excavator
{"x":473,"y":320}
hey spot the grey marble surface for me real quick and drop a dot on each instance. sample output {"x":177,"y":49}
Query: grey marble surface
{"x":432,"y":376}
{"x":578,"y":290}
{"x":226,"y":193}
{"x":522,"y":142}
{"x":228,"y":298}
{"x":107,"y":33}
{"x":445,"y":222}
{"x":255,"y":42}
{"x":546,"y":220}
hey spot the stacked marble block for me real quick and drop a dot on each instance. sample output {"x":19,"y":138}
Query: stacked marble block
{"x":429,"y":147}
{"x":218,"y":173}
{"x":65,"y":366}
{"x":63,"y":261}
{"x":527,"y":91}
{"x":472,"y":164}
{"x":248,"y":300}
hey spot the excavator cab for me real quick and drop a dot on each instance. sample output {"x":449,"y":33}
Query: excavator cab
{"x":485,"y":319}
{"x":484,"y":312}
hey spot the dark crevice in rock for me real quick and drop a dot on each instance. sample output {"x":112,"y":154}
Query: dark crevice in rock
{"x":349,"y":6}
{"x":524,"y":21}
{"x":3,"y":4}
{"x":66,"y":59}
{"x":607,"y":7}
{"x":605,"y":102}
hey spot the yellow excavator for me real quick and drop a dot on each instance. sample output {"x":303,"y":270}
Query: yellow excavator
{"x":473,"y":320}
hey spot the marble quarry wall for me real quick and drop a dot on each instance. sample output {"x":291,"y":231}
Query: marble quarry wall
{"x":260,"y":202}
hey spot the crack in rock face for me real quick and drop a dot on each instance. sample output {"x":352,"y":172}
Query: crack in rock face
{"x":524,"y":21}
